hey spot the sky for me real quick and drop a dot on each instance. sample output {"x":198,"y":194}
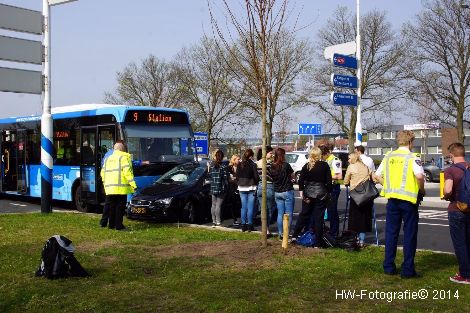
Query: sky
{"x":91,"y":40}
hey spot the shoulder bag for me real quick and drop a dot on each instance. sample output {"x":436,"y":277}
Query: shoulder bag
{"x":364,"y":192}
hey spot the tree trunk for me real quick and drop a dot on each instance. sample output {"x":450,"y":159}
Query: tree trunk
{"x":459,"y":120}
{"x":264,"y":223}
{"x":269,"y":132}
{"x":352,"y":129}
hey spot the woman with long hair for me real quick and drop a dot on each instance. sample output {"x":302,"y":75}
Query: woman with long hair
{"x":283,"y":175}
{"x":232,"y":202}
{"x":269,"y":183}
{"x":218,"y":174}
{"x":360,"y":217}
{"x":247,"y":180}
{"x":314,"y":187}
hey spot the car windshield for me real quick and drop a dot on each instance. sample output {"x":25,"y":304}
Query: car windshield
{"x":291,"y":158}
{"x":182,"y":174}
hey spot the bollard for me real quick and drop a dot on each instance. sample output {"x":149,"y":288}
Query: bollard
{"x":285,"y":231}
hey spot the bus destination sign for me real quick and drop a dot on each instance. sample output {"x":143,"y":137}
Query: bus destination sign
{"x":156,"y":117}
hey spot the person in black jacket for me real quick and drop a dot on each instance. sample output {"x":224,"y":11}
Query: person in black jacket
{"x":247,"y":180}
{"x":315,"y":187}
{"x":283,"y":175}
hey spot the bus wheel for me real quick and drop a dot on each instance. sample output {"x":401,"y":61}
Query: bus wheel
{"x":77,"y":200}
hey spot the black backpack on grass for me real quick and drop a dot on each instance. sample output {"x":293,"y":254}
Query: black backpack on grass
{"x":58,"y":261}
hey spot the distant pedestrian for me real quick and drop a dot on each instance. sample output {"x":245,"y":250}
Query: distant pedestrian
{"x":364,"y":158}
{"x":283,"y":176}
{"x":315,"y":188}
{"x":402,"y":177}
{"x":459,"y":221}
{"x":219,"y":177}
{"x":360,"y":216}
{"x":118,"y":181}
{"x":247,"y":181}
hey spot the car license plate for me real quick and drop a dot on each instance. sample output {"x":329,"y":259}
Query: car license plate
{"x":139,"y":210}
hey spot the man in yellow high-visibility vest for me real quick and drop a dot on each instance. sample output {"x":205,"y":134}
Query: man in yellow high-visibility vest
{"x":402,"y":176}
{"x":118,"y":181}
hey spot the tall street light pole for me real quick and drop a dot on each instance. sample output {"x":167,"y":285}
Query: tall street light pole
{"x":47,"y":146}
{"x":358,"y":75}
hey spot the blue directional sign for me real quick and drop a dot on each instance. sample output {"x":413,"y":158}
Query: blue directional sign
{"x":344,"y":81}
{"x":310,"y":129}
{"x":345,"y":61}
{"x":201,"y":143}
{"x":344,"y":99}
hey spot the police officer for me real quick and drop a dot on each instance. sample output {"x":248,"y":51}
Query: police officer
{"x":118,"y":181}
{"x":402,"y":176}
{"x":336,"y":175}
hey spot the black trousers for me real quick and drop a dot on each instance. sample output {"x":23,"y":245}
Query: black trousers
{"x":116,"y":205}
{"x":316,"y":208}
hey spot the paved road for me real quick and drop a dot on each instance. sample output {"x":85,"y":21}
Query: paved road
{"x":433,"y":226}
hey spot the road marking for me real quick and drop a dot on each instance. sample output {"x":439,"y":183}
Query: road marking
{"x":17,"y":204}
{"x":420,"y":223}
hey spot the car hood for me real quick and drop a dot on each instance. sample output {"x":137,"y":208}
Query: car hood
{"x":160,"y":191}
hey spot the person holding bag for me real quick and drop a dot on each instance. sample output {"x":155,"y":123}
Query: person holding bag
{"x":360,"y":211}
{"x":315,"y":186}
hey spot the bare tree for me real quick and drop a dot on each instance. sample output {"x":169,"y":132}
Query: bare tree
{"x":151,"y":83}
{"x":255,"y":36}
{"x":205,"y":83}
{"x":287,"y":60}
{"x":284,"y":121}
{"x":381,"y":56}
{"x":438,"y":61}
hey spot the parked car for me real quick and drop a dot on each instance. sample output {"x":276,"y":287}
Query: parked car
{"x":297,"y":160}
{"x":181,"y":194}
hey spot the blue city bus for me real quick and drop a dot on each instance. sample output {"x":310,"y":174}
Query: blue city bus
{"x":82,"y":135}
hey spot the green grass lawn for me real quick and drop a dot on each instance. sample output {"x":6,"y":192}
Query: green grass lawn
{"x":163,"y":268}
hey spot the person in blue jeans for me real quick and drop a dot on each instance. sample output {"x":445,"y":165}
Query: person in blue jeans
{"x":283,"y":176}
{"x":459,"y":221}
{"x":269,"y":183}
{"x":247,"y":180}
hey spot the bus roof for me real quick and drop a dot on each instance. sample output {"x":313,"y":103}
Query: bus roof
{"x":79,"y":110}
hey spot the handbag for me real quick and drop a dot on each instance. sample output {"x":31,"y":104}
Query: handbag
{"x":364,"y":192}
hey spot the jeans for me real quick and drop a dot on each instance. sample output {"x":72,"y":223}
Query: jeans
{"x":269,"y":200}
{"x":216,"y":208}
{"x":248,"y":203}
{"x":398,"y":210}
{"x":459,"y":227}
{"x":332,"y":210}
{"x":285,"y":205}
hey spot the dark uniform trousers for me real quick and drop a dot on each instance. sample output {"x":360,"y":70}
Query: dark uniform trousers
{"x":398,"y":210}
{"x":116,"y":205}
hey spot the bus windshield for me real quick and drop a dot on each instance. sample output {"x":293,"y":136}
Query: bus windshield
{"x":156,"y":144}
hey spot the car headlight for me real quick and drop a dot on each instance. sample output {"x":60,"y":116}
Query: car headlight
{"x":164,"y":202}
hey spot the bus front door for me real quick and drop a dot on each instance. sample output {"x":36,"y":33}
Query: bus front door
{"x":106,"y":139}
{"x":88,"y":169}
{"x":21,"y":154}
{"x":9,"y":158}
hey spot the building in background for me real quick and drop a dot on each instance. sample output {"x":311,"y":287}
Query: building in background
{"x":432,"y":140}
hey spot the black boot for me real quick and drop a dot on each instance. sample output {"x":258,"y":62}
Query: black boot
{"x":244,"y":228}
{"x":250,"y":228}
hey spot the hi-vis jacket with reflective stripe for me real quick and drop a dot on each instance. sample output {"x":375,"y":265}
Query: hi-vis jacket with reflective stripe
{"x":399,"y":179}
{"x":117,"y":175}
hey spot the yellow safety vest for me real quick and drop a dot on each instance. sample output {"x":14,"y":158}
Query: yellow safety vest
{"x":399,"y":179}
{"x":117,"y":175}
{"x":330,"y":160}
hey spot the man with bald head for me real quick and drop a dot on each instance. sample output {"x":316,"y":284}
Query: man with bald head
{"x":118,"y":181}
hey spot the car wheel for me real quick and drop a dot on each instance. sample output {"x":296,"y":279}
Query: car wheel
{"x":190,"y":213}
{"x":428,"y":176}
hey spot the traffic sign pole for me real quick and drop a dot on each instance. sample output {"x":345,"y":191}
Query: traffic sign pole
{"x":358,"y":75}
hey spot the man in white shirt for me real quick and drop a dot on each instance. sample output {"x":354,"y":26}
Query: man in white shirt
{"x":364,"y":158}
